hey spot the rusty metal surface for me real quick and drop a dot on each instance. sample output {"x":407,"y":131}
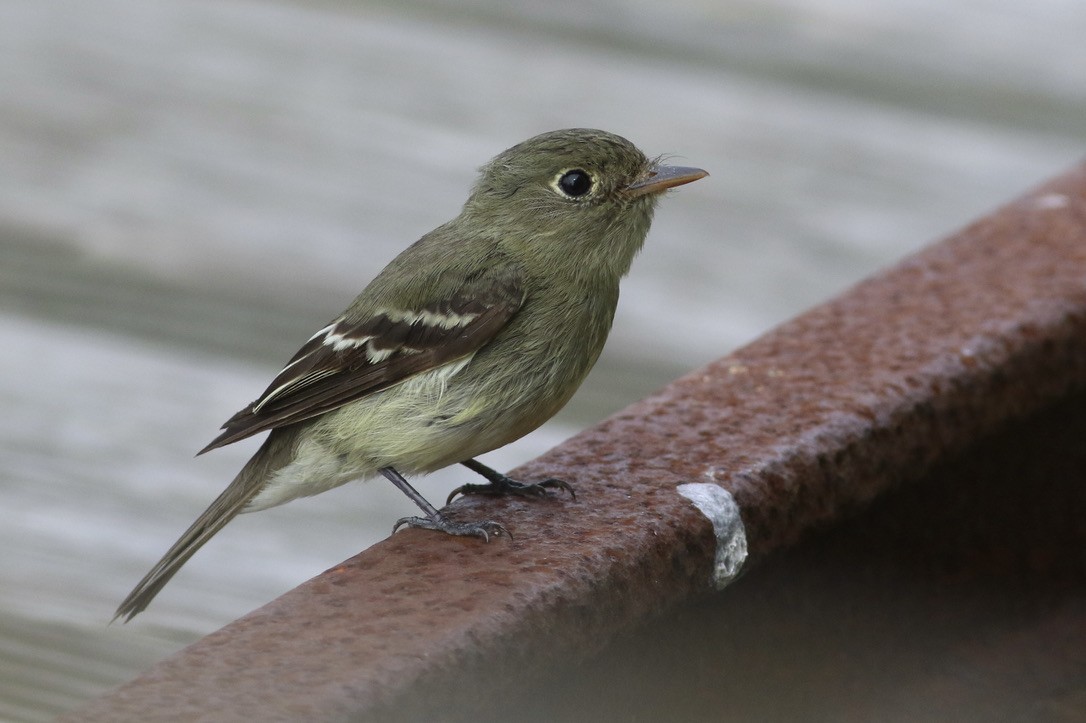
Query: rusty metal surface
{"x":806,"y":425}
{"x":960,"y":596}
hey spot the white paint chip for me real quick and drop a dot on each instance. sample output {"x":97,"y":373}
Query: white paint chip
{"x":720,"y":507}
{"x":1052,"y":201}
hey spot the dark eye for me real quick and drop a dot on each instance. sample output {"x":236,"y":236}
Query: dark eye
{"x":575,"y":183}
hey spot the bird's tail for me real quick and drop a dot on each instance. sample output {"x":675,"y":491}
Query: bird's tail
{"x":249,"y":481}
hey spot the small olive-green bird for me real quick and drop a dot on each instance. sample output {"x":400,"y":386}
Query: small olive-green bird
{"x":471,"y":338}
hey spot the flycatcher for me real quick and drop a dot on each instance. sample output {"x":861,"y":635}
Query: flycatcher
{"x":471,"y":338}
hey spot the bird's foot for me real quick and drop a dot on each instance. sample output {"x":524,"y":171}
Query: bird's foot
{"x":500,"y":486}
{"x":483,"y":529}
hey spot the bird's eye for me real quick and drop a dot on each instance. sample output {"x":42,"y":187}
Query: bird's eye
{"x":575,"y":183}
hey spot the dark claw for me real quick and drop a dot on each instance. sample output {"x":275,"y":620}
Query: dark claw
{"x":506,"y":486}
{"x":483,"y":529}
{"x":560,"y":484}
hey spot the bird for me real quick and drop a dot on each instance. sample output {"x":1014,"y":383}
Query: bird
{"x":467,"y":340}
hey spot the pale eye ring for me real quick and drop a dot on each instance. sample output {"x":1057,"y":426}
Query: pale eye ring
{"x":574,"y":183}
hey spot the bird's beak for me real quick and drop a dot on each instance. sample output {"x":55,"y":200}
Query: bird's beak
{"x":661,"y":178}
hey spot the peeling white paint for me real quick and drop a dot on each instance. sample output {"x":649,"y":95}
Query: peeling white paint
{"x":720,"y":507}
{"x":1051,"y":201}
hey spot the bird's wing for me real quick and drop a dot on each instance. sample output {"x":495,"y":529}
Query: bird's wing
{"x":348,"y":360}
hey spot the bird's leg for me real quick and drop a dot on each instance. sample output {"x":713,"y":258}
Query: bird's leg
{"x":502,"y":485}
{"x":434,"y":519}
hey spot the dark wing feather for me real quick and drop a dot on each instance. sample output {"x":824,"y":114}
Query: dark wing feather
{"x":346,"y":361}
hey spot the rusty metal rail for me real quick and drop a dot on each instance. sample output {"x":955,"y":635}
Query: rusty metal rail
{"x":805,"y":426}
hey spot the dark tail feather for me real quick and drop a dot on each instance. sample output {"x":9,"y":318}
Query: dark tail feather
{"x":249,"y":481}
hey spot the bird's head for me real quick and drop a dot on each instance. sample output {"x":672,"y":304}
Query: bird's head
{"x":578,"y":196}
